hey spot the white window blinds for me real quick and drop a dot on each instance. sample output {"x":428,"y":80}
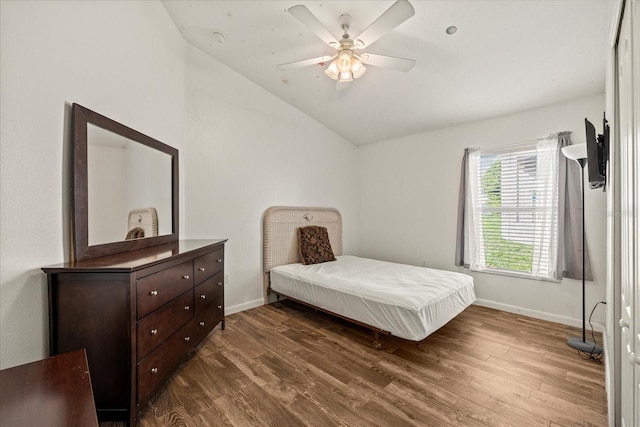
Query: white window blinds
{"x":512,"y":209}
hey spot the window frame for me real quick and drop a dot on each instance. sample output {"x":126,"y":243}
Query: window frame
{"x":545,"y":242}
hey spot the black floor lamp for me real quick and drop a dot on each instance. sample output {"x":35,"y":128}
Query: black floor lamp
{"x":578,"y":152}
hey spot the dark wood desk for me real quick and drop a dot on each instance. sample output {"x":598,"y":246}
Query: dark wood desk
{"x":51,"y":392}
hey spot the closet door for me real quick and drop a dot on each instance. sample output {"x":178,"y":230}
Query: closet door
{"x":630,"y":223}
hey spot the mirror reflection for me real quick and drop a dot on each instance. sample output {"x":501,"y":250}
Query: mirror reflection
{"x":129,"y":189}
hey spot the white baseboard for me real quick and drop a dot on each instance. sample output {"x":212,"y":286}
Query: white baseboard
{"x":244,"y":306}
{"x":570,"y":321}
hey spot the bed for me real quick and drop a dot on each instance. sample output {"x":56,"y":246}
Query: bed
{"x":405,"y":301}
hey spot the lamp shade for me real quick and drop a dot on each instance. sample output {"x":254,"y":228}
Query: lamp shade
{"x":332,"y":71}
{"x":357,"y":68}
{"x":345,"y":76}
{"x":344,"y":60}
{"x":575,"y":151}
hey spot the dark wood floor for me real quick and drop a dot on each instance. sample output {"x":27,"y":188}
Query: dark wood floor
{"x":293,"y":367}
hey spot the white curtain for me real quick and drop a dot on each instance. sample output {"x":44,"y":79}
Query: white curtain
{"x":545,"y":249}
{"x":473,"y":213}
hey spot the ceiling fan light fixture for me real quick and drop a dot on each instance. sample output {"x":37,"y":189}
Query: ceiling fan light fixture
{"x":357,"y":69}
{"x":345,"y":76}
{"x":345,"y":65}
{"x":332,"y":70}
{"x":344,"y":60}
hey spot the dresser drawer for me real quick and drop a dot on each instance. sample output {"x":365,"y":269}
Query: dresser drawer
{"x":206,"y":292}
{"x":157,"y":289}
{"x":159,"y":325}
{"x":207,"y":319}
{"x":162,"y":362}
{"x":208,"y":265}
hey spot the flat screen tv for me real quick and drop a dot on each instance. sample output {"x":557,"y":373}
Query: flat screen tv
{"x":597,"y":153}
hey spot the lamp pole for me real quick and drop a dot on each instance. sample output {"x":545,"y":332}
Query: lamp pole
{"x":582,"y":163}
{"x":582,"y":344}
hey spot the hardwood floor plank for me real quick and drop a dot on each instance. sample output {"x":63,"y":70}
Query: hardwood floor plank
{"x":522,"y":371}
{"x":436,"y":365}
{"x":566,"y":392}
{"x":432,"y":412}
{"x":257,"y":373}
{"x":493,"y":380}
{"x":571,"y":410}
{"x":211,"y":417}
{"x":594,"y":382}
{"x":287,"y":371}
{"x":572,"y":361}
{"x":295,"y":366}
{"x":410,"y":379}
{"x":379,"y":400}
{"x":342,"y":409}
{"x":259,"y":408}
{"x":449,"y":343}
{"x":312,"y":414}
{"x":382,"y":415}
{"x":520,"y":414}
{"x":475,"y":414}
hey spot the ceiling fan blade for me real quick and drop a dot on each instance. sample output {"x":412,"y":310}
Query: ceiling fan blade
{"x":304,"y":15}
{"x":399,"y":12}
{"x":306,"y":62}
{"x":390,"y":62}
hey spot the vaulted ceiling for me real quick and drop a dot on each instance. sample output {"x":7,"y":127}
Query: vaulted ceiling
{"x":506,"y":56}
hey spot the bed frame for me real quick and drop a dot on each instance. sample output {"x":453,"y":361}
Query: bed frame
{"x":280,"y":241}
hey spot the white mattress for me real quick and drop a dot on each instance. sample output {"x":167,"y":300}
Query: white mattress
{"x":408,"y":301}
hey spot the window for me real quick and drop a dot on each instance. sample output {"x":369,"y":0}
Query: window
{"x":512,"y":209}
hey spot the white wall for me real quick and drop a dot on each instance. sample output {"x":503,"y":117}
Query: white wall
{"x":247,"y":151}
{"x":122,"y":59}
{"x":409,"y":199}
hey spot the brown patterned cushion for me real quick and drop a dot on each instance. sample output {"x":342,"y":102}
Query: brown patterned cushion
{"x":314,"y":245}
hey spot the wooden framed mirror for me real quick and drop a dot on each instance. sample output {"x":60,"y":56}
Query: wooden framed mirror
{"x":120,"y":177}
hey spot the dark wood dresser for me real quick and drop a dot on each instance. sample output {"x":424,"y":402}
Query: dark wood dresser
{"x":138,"y":314}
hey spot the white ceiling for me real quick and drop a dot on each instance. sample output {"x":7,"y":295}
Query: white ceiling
{"x":506,"y":56}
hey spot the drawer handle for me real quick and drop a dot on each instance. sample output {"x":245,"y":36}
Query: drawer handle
{"x":186,"y":307}
{"x":153,"y":293}
{"x":203,"y":296}
{"x":154,"y":331}
{"x":187,"y":339}
{"x":201,"y":269}
{"x":154,"y":370}
{"x":219,"y":283}
{"x":186,"y":277}
{"x":201,"y":323}
{"x":219,"y":260}
{"x":220,"y":306}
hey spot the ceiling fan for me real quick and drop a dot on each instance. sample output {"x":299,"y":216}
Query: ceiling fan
{"x":346,"y":64}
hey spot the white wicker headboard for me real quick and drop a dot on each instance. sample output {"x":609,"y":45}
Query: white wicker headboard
{"x":280,"y":232}
{"x":280,"y":238}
